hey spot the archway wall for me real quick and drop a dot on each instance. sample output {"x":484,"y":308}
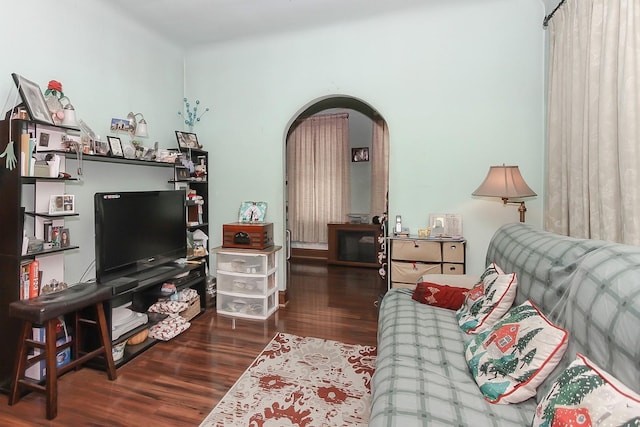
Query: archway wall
{"x":460,"y":85}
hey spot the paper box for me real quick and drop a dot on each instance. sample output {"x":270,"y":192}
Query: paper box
{"x":38,"y":370}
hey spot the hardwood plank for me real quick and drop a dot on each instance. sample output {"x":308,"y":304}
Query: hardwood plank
{"x":177,"y":383}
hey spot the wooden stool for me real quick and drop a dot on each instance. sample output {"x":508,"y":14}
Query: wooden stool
{"x":45,"y":310}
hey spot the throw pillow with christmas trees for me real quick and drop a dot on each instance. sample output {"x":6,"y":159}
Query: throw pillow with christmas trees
{"x":511,"y":359}
{"x":585,"y":395}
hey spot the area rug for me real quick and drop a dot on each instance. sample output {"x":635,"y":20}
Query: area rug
{"x":300,"y":381}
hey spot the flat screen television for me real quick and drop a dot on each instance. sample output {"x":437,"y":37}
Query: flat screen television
{"x":137,"y":231}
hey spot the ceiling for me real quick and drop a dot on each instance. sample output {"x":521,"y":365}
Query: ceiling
{"x":192,"y":22}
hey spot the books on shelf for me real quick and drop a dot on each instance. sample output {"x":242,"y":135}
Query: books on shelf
{"x":30,"y":279}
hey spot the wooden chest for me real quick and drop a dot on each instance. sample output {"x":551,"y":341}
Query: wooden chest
{"x":247,"y":235}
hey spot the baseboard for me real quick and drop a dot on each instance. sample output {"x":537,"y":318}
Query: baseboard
{"x":309,"y":254}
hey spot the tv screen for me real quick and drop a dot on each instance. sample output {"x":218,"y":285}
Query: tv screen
{"x":138,"y":230}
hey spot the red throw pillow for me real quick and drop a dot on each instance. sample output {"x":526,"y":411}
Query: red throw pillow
{"x":444,"y":296}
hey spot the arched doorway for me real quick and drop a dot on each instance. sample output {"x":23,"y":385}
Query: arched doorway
{"x":368,"y":179}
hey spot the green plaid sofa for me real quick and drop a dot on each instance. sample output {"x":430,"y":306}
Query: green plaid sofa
{"x":591,"y":288}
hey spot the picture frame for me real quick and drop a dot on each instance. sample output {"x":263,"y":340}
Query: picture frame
{"x":62,"y":204}
{"x":128,"y":150}
{"x":252,"y":212}
{"x":187,"y":140}
{"x":65,"y":238}
{"x":101,"y":148}
{"x":360,"y":154}
{"x":120,"y":125}
{"x":182,"y":173}
{"x":116,"y":146}
{"x":445,"y":225}
{"x":33,"y":99}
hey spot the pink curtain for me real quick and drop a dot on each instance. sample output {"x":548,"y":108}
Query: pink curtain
{"x":379,"y":167}
{"x":318,"y":161}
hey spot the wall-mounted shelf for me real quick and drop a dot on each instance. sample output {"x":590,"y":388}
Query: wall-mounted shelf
{"x":111,"y":159}
{"x":48,"y":215}
{"x":44,"y":252}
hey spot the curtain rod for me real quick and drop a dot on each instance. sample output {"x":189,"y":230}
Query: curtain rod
{"x":547,"y":18}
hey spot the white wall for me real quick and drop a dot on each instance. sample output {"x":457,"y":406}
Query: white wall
{"x":459,"y":83}
{"x":108,"y":66}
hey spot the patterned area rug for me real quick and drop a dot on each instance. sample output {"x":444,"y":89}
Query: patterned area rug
{"x":298,"y":381}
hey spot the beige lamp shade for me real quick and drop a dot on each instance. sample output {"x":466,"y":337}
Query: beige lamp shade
{"x":505,"y":182}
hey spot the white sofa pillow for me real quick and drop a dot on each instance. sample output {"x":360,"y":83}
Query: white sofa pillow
{"x":488,"y":301}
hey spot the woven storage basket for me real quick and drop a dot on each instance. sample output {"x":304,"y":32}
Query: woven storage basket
{"x":193,"y":310}
{"x":139,"y":337}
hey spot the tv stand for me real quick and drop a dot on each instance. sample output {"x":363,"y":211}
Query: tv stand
{"x":153,"y":273}
{"x":141,"y":293}
{"x":355,"y":245}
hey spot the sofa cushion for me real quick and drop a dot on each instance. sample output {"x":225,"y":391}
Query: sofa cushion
{"x":512,"y":358}
{"x":488,"y":301}
{"x":444,"y":296}
{"x":421,"y":376}
{"x":584,"y":394}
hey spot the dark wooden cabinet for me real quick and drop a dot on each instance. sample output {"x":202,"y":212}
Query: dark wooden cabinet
{"x":355,"y":245}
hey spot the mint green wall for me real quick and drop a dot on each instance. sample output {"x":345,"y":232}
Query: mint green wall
{"x":108,"y":66}
{"x":460,"y":84}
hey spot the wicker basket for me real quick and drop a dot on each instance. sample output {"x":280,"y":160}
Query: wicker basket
{"x":193,"y":310}
{"x":139,"y":337}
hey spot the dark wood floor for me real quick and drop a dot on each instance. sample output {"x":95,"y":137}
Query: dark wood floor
{"x":177,"y":383}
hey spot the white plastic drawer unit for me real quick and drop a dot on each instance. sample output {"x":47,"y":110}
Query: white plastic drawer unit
{"x":246,"y":263}
{"x":253,"y":307}
{"x":246,"y":284}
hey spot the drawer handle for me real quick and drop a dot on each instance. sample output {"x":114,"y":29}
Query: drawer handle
{"x":454,"y":247}
{"x":452,"y":268}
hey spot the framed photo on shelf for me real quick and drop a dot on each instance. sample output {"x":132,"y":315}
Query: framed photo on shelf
{"x":182,"y":173}
{"x":445,"y":225}
{"x":187,"y":140}
{"x":101,"y":148}
{"x":62,"y":204}
{"x":65,"y":239}
{"x":33,"y":99}
{"x":360,"y":154}
{"x":252,"y":211}
{"x":115,"y":145}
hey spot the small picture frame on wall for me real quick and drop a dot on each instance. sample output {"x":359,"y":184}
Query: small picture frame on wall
{"x":360,"y":154}
{"x":115,"y":145}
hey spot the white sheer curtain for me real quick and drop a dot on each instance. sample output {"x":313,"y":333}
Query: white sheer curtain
{"x":318,"y":162}
{"x":593,"y":154}
{"x":379,"y":167}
